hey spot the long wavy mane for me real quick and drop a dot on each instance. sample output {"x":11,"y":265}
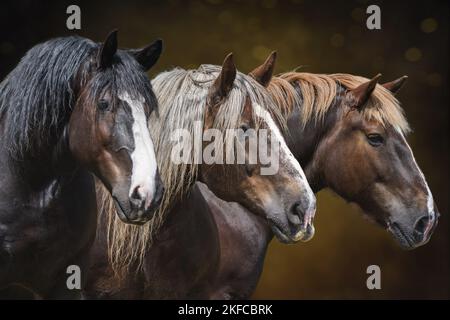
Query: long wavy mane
{"x":314,"y":95}
{"x":182,"y":98}
{"x":37,"y":97}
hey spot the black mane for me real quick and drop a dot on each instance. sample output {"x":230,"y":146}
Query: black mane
{"x":36,"y":98}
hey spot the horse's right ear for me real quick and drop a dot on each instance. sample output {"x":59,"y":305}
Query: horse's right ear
{"x":362,"y":92}
{"x":396,"y":85}
{"x":263,"y":73}
{"x":107,"y":51}
{"x":224,"y":82}
{"x":148,"y":56}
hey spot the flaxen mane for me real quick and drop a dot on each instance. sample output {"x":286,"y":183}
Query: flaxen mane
{"x":182,"y":97}
{"x":315,"y":94}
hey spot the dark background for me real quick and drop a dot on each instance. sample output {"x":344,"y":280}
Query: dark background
{"x":324,"y":37}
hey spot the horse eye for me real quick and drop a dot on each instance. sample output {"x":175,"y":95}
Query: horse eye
{"x":103,"y":105}
{"x":375,"y":139}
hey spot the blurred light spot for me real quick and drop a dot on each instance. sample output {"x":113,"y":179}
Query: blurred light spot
{"x":434,"y":79}
{"x":260,"y":52}
{"x":358,"y":14}
{"x":413,"y":54}
{"x":429,"y":25}
{"x":225,"y":17}
{"x":355,"y":31}
{"x":337,"y":40}
{"x":269,"y":4}
{"x":6,"y":48}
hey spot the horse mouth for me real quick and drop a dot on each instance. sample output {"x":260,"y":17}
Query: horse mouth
{"x":402,"y":238}
{"x":280,"y":235}
{"x":294,"y":235}
{"x":123,"y":216}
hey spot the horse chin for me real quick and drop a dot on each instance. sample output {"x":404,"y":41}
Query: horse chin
{"x":280,"y":235}
{"x":125,"y":217}
{"x":120,"y":212}
{"x":303,"y":235}
{"x":403,"y":240}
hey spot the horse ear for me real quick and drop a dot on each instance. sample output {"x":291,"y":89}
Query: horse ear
{"x":396,"y":85}
{"x":107,"y":51}
{"x":263,"y":73}
{"x":224,"y":82}
{"x":148,"y":56}
{"x":362,"y":92}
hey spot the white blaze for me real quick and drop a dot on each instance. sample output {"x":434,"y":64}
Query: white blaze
{"x":143,"y":156}
{"x":286,"y":154}
{"x":430,"y":201}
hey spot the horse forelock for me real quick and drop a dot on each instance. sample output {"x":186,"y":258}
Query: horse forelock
{"x":382,"y":106}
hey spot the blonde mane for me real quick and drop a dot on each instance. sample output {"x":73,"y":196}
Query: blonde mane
{"x":182,"y":98}
{"x":318,"y":91}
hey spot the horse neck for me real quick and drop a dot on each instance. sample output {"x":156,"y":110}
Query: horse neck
{"x":304,"y":142}
{"x":189,"y":221}
{"x":42,"y":167}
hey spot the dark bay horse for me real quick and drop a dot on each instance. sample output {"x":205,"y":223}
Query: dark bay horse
{"x":178,"y":255}
{"x":348,"y":133}
{"x":71,"y":108}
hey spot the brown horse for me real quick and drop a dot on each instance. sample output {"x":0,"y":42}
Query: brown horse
{"x":70,"y":109}
{"x":348,"y":134}
{"x":182,"y":259}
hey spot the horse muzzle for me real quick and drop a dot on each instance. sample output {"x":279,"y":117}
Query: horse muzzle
{"x":415,"y":236}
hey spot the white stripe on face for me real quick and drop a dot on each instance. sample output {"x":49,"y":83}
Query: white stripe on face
{"x":430,"y":201}
{"x":143,"y":156}
{"x":286,"y":154}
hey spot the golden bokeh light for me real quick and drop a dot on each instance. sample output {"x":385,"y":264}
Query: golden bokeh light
{"x":429,"y":25}
{"x":413,"y":54}
{"x":434,"y":79}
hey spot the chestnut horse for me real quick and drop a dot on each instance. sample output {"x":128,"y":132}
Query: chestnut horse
{"x":69,"y":109}
{"x":177,"y":255}
{"x":348,"y":133}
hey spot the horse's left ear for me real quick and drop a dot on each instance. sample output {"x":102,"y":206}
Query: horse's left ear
{"x":224,"y":82}
{"x":107,"y":51}
{"x":396,"y":85}
{"x":362,"y":92}
{"x":148,"y":56}
{"x":263,"y":73}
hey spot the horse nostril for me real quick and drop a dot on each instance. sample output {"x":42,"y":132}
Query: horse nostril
{"x":295,"y":214}
{"x":136,"y":195}
{"x":422,"y":225}
{"x":137,"y":200}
